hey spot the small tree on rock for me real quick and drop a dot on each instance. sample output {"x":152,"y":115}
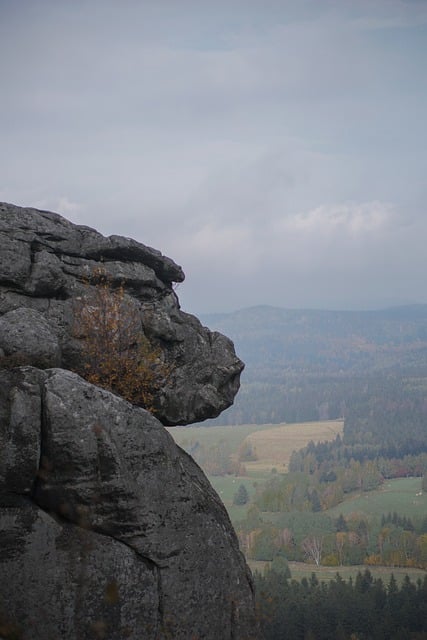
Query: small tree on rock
{"x":117,"y":356}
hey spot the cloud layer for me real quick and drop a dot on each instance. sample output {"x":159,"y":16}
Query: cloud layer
{"x":276,"y":150}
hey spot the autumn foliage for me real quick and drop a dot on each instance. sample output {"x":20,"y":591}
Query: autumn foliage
{"x":117,"y":356}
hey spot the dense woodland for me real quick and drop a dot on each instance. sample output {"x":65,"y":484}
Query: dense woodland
{"x":363,"y":609}
{"x":316,"y":365}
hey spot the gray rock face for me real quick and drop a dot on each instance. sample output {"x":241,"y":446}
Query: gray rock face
{"x":107,"y":528}
{"x":24,"y":332}
{"x":47,"y":263}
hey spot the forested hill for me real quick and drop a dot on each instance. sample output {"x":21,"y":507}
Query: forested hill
{"x":308,"y":364}
{"x":272,"y":340}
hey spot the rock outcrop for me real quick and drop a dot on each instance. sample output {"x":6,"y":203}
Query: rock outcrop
{"x":107,"y":528}
{"x":46,"y":263}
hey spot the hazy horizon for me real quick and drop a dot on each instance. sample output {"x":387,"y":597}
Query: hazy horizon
{"x":277,"y":151}
{"x":391,"y":307}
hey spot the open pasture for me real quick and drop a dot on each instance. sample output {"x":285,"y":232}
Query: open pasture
{"x":274,"y":446}
{"x":226,"y":487}
{"x":233,"y":436}
{"x":403,"y":495}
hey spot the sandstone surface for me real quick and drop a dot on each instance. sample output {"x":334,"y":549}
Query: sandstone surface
{"x":46,"y":263}
{"x":107,"y":528}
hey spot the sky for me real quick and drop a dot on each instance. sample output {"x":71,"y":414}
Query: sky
{"x":275,"y":149}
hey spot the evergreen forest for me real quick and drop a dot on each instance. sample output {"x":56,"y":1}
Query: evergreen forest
{"x":360,"y":609}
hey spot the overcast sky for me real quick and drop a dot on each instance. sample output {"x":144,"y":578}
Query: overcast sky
{"x":277,"y":150}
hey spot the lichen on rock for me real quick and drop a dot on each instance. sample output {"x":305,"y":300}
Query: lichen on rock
{"x":46,"y":263}
{"x":107,"y":528}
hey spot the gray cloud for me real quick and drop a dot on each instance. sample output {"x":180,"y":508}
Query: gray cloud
{"x":276,"y":150}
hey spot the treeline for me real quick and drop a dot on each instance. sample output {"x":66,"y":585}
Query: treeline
{"x":321,"y":475}
{"x":288,"y":397}
{"x":363,"y":609}
{"x":319,"y":490}
{"x":306,"y":365}
{"x":392,"y":462}
{"x":387,"y":410}
{"x":316,"y":538}
{"x":330,"y":470}
{"x":389,"y":414}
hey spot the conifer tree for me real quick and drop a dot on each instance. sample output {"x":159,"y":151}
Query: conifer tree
{"x":241,"y":496}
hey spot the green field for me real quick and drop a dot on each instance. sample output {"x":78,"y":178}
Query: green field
{"x":403,"y":495}
{"x":226,"y":487}
{"x":208,"y":436}
{"x":273,"y":443}
{"x":274,"y":446}
{"x":301,"y":570}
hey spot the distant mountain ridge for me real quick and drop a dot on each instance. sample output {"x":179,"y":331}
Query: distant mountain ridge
{"x":281,"y":315}
{"x":291,"y":353}
{"x":273,"y":335}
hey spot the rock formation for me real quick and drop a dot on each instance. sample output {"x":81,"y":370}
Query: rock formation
{"x":46,"y":263}
{"x":107,"y":528}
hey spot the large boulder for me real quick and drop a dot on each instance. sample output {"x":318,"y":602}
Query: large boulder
{"x":107,"y":528}
{"x":26,"y":335}
{"x":47,"y":264}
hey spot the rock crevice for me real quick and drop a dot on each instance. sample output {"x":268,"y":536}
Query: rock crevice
{"x":107,"y":528}
{"x":47,"y":263}
{"x":152,"y":507}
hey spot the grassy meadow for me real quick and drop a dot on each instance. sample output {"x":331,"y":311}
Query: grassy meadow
{"x":233,"y":436}
{"x":273,"y":444}
{"x":402,"y":495}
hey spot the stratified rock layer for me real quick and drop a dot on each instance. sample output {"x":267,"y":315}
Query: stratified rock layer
{"x":46,"y":263}
{"x":107,"y":528}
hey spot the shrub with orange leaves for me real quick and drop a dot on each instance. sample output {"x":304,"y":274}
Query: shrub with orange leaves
{"x":117,"y":356}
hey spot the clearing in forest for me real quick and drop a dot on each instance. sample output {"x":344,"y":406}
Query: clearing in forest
{"x":272,"y":444}
{"x":273,"y":447}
